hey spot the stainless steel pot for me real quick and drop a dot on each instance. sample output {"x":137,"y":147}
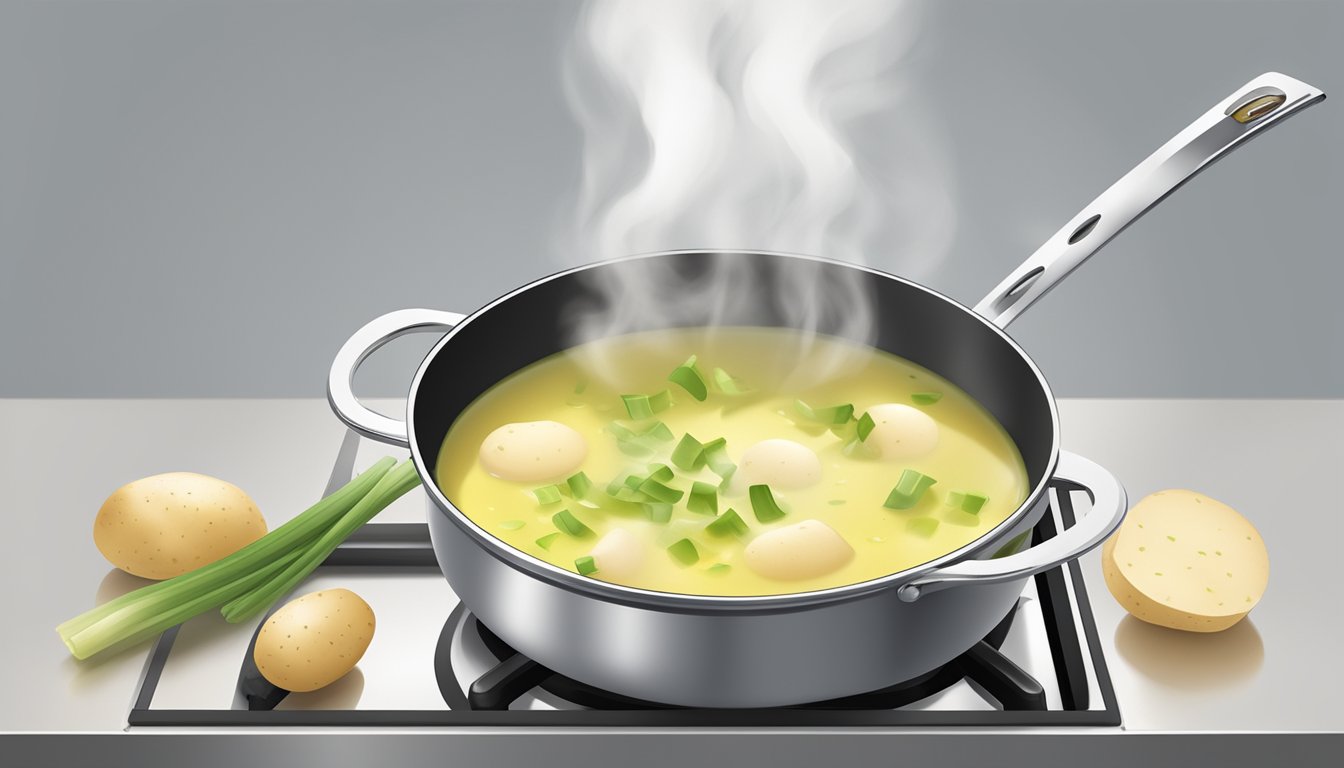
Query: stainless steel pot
{"x":788,"y":649}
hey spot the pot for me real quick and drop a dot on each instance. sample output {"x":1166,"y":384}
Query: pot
{"x":707,"y":651}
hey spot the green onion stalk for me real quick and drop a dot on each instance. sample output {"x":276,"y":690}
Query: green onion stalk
{"x":178,"y":599}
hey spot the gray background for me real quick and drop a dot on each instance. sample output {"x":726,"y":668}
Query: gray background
{"x":206,"y":198}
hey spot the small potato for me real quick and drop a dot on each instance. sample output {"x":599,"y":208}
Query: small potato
{"x":165,"y":525}
{"x":781,"y":464}
{"x":619,"y":554}
{"x":902,"y":432}
{"x":803,"y":550}
{"x":312,"y":641}
{"x":533,"y":451}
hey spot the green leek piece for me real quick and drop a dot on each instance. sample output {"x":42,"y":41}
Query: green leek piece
{"x":689,"y":378}
{"x":836,"y":502}
{"x":727,"y":384}
{"x":716,"y":456}
{"x":585,"y":565}
{"x":661,"y":472}
{"x":390,"y":487}
{"x":865,"y":426}
{"x":922,"y":526}
{"x":967,"y":501}
{"x":640,"y":444}
{"x":579,"y":485}
{"x":834,"y":414}
{"x":642,"y":407}
{"x":659,"y":492}
{"x":763,"y":503}
{"x":926,"y":398}
{"x":684,"y":552}
{"x":689,"y":453}
{"x":546,"y":541}
{"x":580,"y":386}
{"x":547,"y":494}
{"x":728,"y":524}
{"x":718,"y":569}
{"x":704,"y":499}
{"x":657,"y":512}
{"x":909,"y":490}
{"x":512,"y":525}
{"x":567,"y":522}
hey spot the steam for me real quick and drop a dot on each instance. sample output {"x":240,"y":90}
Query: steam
{"x":731,"y":124}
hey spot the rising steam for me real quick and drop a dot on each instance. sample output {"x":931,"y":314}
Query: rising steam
{"x":732,"y":124}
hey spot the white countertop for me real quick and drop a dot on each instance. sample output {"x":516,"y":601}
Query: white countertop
{"x":1278,"y":462}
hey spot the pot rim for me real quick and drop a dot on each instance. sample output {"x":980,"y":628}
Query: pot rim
{"x":678,"y":601}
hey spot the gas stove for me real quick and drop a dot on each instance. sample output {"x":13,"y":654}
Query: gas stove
{"x":432,"y":663}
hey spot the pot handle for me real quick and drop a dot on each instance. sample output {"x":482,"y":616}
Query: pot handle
{"x":1109,"y":505}
{"x":1265,"y":101}
{"x":364,"y":342}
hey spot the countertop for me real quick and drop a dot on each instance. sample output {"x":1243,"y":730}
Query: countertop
{"x":1273,"y":679}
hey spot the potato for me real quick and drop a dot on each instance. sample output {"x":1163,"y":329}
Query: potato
{"x":803,"y":550}
{"x":312,"y":641}
{"x":165,"y":525}
{"x":1185,"y":561}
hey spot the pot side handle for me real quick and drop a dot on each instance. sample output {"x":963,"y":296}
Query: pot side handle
{"x":364,"y":342}
{"x":1109,"y":505}
{"x":1265,"y":101}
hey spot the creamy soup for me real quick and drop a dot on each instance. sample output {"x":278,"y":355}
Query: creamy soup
{"x":701,"y":462}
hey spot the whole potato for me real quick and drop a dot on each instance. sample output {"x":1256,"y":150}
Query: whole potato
{"x":314,"y":640}
{"x":166,"y":525}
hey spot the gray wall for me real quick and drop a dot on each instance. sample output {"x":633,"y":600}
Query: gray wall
{"x":205,"y":198}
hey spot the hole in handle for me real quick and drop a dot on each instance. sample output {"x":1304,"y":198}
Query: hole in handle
{"x":1084,"y":229}
{"x":1023,"y":282}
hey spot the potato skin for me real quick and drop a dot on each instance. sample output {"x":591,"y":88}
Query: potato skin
{"x":314,"y":640}
{"x":165,"y":525}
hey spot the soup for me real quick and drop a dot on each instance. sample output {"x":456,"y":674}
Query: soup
{"x":698,"y":463}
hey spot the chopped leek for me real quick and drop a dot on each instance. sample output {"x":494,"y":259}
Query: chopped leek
{"x":728,"y":524}
{"x":661,"y":472}
{"x":689,"y":378}
{"x":567,"y":522}
{"x":585,"y":565}
{"x":727,"y":384}
{"x":718,"y":569}
{"x":909,"y":490}
{"x":512,"y":525}
{"x":967,"y":501}
{"x":684,"y":552}
{"x":546,"y":541}
{"x":704,"y":499}
{"x":763,"y":503}
{"x":658,"y":512}
{"x":834,"y":414}
{"x":926,"y":398}
{"x":640,"y":444}
{"x":547,"y":494}
{"x":659,"y":492}
{"x":716,"y":456}
{"x":645,"y":406}
{"x":579,"y":485}
{"x":865,"y":426}
{"x":689,"y":453}
{"x":922,"y":526}
{"x":580,"y":386}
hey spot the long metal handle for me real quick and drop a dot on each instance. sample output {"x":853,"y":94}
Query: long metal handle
{"x":364,"y":342}
{"x":1109,"y":505}
{"x":1265,"y":101}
